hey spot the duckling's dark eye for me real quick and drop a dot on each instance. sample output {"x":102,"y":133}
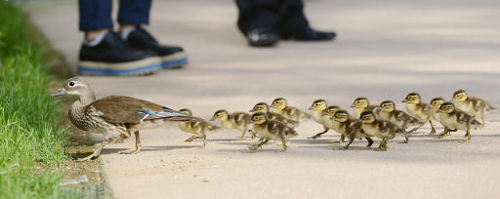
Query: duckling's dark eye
{"x":71,"y":84}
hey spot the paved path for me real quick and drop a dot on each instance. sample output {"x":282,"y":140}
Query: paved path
{"x":384,"y":51}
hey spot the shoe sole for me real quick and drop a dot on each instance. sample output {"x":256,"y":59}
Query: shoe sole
{"x":140,"y":67}
{"x":176,"y":60}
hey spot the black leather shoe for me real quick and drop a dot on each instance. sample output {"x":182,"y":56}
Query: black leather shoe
{"x":113,"y":56}
{"x":262,"y":37}
{"x":171,"y":56}
{"x":294,"y":25}
{"x":309,"y":34}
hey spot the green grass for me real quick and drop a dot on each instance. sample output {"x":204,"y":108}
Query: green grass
{"x":31,"y":143}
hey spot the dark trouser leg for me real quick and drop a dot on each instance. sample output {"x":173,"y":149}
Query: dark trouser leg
{"x":95,"y":14}
{"x":257,"y":14}
{"x":293,"y":23}
{"x":134,"y":12}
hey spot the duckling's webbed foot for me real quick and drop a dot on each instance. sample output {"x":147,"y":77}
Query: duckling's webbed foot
{"x":370,"y":141}
{"x":259,"y":144}
{"x":468,"y":136}
{"x":190,"y":139}
{"x":383,"y":146}
{"x":443,"y":134}
{"x":406,"y":138}
{"x":433,"y":129}
{"x":318,"y":135}
{"x":347,"y":145}
{"x":282,"y":150}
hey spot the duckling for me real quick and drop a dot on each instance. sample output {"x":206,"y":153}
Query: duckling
{"x":361,"y":104}
{"x":474,"y":106}
{"x":318,"y":107}
{"x":457,"y":119}
{"x":332,"y":124}
{"x":420,"y":110}
{"x":237,"y":120}
{"x":198,"y":128}
{"x":434,"y":105}
{"x":270,"y":130}
{"x":115,"y":116}
{"x":382,"y":129}
{"x":262,"y":107}
{"x":349,"y":128}
{"x":280,"y":105}
{"x":399,"y":118}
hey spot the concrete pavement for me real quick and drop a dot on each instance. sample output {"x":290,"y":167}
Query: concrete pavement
{"x":384,"y":51}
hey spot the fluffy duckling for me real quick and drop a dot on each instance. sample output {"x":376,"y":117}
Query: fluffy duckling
{"x":270,"y":130}
{"x":457,"y":119}
{"x":280,"y":105}
{"x":420,"y":110}
{"x":349,"y":128}
{"x":474,"y":106}
{"x":361,"y":104}
{"x":434,"y":105}
{"x":382,"y":129}
{"x":262,"y":107}
{"x":318,"y":107}
{"x":401,"y":119}
{"x":198,"y":128}
{"x":115,"y":116}
{"x":332,"y":124}
{"x":237,"y":120}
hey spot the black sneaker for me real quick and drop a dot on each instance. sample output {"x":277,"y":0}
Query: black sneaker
{"x":113,"y":56}
{"x":171,"y":56}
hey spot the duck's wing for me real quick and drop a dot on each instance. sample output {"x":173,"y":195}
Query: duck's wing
{"x":123,"y":109}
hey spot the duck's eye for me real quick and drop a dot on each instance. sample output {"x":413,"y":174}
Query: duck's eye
{"x":71,"y":84}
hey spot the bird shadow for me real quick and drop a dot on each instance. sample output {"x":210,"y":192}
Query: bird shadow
{"x":247,"y":151}
{"x":312,"y":141}
{"x":150,"y":148}
{"x":221,"y":140}
{"x":488,"y":135}
{"x":354,"y":148}
{"x":436,"y":140}
{"x":78,"y":155}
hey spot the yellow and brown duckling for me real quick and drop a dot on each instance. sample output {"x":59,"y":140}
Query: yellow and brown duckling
{"x":332,"y":124}
{"x":349,"y":128}
{"x":382,"y":129}
{"x":262,"y":107}
{"x":435,"y":115}
{"x":474,"y":106}
{"x":318,"y":107}
{"x":457,"y":119}
{"x":236,"y":120}
{"x":401,"y":119}
{"x":418,"y":109}
{"x":361,"y":104}
{"x":280,"y":105}
{"x":199,"y":128}
{"x":270,"y":130}
{"x":115,"y":116}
